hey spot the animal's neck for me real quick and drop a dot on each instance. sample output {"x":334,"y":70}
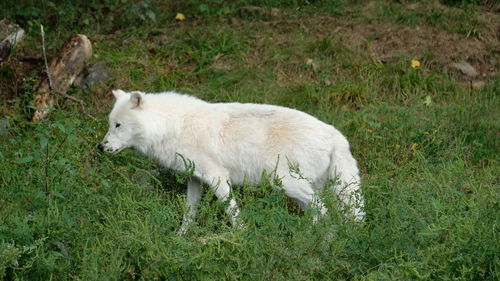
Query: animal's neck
{"x":159,"y":136}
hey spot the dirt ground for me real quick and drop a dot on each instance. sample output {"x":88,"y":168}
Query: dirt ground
{"x":382,"y":39}
{"x":435,"y":46}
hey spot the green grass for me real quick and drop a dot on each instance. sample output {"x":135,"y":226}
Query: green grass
{"x":427,"y":146}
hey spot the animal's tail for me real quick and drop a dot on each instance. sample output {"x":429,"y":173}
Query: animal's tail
{"x":344,"y":170}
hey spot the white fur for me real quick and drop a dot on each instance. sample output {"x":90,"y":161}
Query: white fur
{"x":232,"y":142}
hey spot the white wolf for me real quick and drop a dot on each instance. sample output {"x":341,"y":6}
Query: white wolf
{"x":232,"y":142}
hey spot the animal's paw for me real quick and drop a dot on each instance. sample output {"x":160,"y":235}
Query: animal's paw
{"x":183,"y":230}
{"x":359,"y":215}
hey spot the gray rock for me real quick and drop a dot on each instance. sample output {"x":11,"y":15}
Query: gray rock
{"x":465,"y":68}
{"x":97,"y":74}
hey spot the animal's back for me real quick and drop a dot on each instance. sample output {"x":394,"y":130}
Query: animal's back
{"x":265,"y":137}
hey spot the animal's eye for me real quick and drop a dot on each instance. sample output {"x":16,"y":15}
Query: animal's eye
{"x":117,"y":125}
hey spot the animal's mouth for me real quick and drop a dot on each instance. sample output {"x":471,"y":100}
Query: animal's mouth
{"x":116,"y":151}
{"x":102,"y":147}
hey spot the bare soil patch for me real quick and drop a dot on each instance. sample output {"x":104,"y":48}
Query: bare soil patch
{"x":435,"y":47}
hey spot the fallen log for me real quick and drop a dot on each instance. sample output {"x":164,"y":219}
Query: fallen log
{"x":69,"y":62}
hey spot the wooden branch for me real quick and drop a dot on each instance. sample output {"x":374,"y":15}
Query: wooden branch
{"x":64,"y":68}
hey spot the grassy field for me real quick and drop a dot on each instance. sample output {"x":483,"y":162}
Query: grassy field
{"x":426,"y":139}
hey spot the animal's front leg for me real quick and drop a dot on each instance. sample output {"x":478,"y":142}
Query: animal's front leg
{"x":193,"y":197}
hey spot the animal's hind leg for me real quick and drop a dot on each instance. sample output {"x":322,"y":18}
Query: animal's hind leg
{"x":351,"y":199}
{"x":303,"y":193}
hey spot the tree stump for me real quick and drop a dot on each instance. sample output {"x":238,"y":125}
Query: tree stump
{"x":64,"y":68}
{"x":10,"y":35}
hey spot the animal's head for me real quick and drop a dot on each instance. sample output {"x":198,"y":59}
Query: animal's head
{"x":125,"y":127}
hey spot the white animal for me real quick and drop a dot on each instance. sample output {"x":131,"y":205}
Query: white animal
{"x":233,"y":142}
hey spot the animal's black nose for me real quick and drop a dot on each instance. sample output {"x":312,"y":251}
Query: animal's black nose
{"x":100,"y":147}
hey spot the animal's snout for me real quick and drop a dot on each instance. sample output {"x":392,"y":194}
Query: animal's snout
{"x":100,"y":146}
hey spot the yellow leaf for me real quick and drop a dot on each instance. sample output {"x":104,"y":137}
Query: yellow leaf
{"x":180,"y":17}
{"x":415,"y":63}
{"x":414,"y":146}
{"x":428,"y":101}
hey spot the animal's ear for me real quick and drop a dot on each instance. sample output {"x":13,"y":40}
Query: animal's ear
{"x":137,"y":99}
{"x":119,"y":94}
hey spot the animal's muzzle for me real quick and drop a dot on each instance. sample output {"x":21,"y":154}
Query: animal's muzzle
{"x":100,"y":147}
